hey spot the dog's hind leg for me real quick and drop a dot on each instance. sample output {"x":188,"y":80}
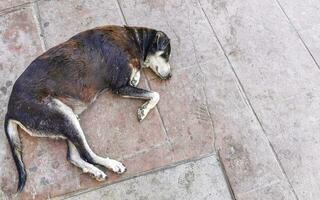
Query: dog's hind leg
{"x":75,"y":158}
{"x":75,"y":135}
{"x":52,"y":118}
{"x":138,"y":93}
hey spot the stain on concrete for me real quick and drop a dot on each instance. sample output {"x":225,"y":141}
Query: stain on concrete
{"x":155,"y":4}
{"x":46,"y":24}
{"x":189,"y":177}
{"x":44,"y":181}
{"x":3,"y":90}
{"x":8,"y":83}
{"x":33,"y":169}
{"x":155,"y":181}
{"x":55,"y":165}
{"x":237,"y":156}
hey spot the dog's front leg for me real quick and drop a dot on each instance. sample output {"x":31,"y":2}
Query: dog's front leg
{"x":138,"y":93}
{"x":135,"y":79}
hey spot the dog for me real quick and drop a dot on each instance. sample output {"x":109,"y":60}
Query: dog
{"x":60,"y":84}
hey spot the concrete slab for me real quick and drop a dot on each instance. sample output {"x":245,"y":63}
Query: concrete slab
{"x":75,"y":16}
{"x":206,"y":91}
{"x":296,"y":136}
{"x":184,"y":112}
{"x":199,"y":179}
{"x":304,"y":16}
{"x":183,"y":104}
{"x":202,"y":108}
{"x":276,"y":71}
{"x":19,"y":44}
{"x":249,"y":161}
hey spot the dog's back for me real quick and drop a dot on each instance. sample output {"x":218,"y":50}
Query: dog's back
{"x":80,"y":67}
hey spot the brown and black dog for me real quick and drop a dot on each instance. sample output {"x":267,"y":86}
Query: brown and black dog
{"x":57,"y":86}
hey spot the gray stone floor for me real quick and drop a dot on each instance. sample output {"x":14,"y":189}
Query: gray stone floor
{"x":198,"y":179}
{"x":245,"y":85}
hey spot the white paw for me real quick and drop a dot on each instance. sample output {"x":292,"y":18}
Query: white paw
{"x":97,"y":174}
{"x":142,"y":113}
{"x":116,"y":166}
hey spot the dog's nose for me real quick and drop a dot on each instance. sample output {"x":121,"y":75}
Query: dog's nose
{"x":169,"y":75}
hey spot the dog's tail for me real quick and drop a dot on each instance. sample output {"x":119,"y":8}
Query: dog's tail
{"x":11,"y":130}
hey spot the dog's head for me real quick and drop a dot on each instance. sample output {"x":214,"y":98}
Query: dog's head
{"x":158,"y":55}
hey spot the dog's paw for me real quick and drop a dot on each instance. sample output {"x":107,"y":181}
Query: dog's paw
{"x":100,"y":177}
{"x":97,"y":174}
{"x":142,"y":113}
{"x":116,"y":166}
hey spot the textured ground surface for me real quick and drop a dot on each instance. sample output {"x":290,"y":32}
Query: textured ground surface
{"x":185,"y":181}
{"x":245,"y":85}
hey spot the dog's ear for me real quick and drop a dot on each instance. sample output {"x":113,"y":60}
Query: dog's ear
{"x":158,"y":36}
{"x":161,"y":41}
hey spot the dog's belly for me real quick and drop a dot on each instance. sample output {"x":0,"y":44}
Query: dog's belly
{"x":76,"y":105}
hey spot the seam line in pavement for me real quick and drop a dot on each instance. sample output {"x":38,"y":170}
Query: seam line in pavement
{"x":149,"y":88}
{"x":246,"y":99}
{"x":169,"y":166}
{"x":297,"y":32}
{"x":36,"y":14}
{"x":144,"y":151}
{"x":204,"y":89}
{"x":225,"y":176}
{"x":15,"y":8}
{"x":121,"y":11}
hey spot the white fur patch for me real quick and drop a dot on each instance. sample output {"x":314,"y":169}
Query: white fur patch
{"x":35,"y":133}
{"x":78,"y":106}
{"x":147,"y":106}
{"x":86,"y":167}
{"x":135,"y":78}
{"x":13,"y":133}
{"x":107,"y":162}
{"x":116,"y":166}
{"x":158,"y":64}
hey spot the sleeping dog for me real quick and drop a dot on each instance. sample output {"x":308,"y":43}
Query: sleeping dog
{"x":57,"y":86}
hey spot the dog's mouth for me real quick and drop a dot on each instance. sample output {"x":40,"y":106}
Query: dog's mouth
{"x":156,"y":71}
{"x":163,"y":77}
{"x":167,"y":77}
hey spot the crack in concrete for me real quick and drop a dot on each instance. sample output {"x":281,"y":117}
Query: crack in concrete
{"x":168,"y":140}
{"x":259,"y":188}
{"x":143,"y":151}
{"x":297,"y":32}
{"x":121,"y":12}
{"x":247,"y":101}
{"x":37,"y":17}
{"x":16,"y":8}
{"x":225,"y":175}
{"x":203,"y":87}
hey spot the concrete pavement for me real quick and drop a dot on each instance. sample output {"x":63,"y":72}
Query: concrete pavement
{"x":245,"y":84}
